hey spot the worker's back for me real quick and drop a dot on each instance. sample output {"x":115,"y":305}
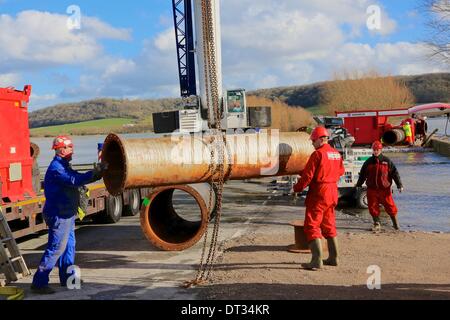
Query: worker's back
{"x":330,"y":167}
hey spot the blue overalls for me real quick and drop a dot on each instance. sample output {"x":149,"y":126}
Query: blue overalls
{"x":61,"y":185}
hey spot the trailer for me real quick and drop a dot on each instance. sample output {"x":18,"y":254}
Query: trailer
{"x":368,"y":125}
{"x":21,"y":195}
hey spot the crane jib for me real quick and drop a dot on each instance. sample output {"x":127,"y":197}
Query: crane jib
{"x":182,"y":14}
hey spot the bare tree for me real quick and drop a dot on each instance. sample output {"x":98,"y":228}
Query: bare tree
{"x":438,"y":23}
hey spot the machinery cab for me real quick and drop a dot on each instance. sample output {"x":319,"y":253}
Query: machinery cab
{"x":235,"y":109}
{"x":340,"y":138}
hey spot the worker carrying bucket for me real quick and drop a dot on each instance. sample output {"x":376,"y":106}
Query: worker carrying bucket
{"x":321,"y":174}
{"x":378,"y":172}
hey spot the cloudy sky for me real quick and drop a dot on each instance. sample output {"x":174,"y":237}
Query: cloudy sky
{"x":126,"y":49}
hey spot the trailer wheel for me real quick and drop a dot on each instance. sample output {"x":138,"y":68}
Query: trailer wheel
{"x":112,"y":212}
{"x":361,"y":199}
{"x":134,"y":206}
{"x":114,"y":206}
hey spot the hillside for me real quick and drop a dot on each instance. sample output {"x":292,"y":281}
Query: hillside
{"x":425,"y":88}
{"x":98,"y":109}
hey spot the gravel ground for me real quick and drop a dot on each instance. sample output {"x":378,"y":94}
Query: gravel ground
{"x":412,"y":265}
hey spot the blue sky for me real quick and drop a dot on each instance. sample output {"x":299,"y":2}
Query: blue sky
{"x":126,"y":49}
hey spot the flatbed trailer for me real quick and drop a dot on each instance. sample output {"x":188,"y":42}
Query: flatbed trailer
{"x":25,"y":217}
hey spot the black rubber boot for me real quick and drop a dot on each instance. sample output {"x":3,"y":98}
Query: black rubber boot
{"x":316,"y":260}
{"x":376,"y":224}
{"x":395,"y":222}
{"x":43,"y":290}
{"x":333,"y":253}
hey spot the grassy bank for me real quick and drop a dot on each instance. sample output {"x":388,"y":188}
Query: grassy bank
{"x":119,"y":125}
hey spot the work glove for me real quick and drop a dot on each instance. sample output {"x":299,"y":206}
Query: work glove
{"x":83,"y":202}
{"x":99,"y":169}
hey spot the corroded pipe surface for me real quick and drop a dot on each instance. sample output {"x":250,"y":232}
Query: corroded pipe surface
{"x":165,"y":228}
{"x":156,"y":162}
{"x":173,"y":165}
{"x":394,"y":136}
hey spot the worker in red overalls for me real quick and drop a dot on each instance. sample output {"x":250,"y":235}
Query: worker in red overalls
{"x":378,"y":172}
{"x":321,"y":174}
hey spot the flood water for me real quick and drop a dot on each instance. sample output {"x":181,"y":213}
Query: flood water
{"x":424,"y":205}
{"x":85,"y":148}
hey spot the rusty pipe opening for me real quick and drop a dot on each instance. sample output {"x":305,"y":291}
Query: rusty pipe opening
{"x":34,"y":150}
{"x":394,"y":136}
{"x":165,"y":227}
{"x":113,"y":154}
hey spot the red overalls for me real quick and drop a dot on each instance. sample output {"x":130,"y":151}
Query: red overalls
{"x":379,"y":188}
{"x":322,"y":172}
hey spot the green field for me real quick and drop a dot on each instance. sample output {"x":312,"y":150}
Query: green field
{"x":81,"y":128}
{"x":318,"y":110}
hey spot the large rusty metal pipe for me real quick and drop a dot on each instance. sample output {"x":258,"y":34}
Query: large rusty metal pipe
{"x":175,"y":164}
{"x":182,"y":160}
{"x":165,"y":228}
{"x":394,"y":136}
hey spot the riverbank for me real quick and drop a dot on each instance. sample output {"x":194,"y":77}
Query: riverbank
{"x":413,"y":265}
{"x":441,"y":145}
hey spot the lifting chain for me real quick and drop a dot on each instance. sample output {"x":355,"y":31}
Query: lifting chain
{"x":218,"y":145}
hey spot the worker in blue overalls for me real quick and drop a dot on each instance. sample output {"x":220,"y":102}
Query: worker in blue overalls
{"x":62,"y":195}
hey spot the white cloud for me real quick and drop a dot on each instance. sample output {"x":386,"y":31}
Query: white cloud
{"x":290,"y":40}
{"x":101,"y":30}
{"x":400,"y":58}
{"x":265,"y":43}
{"x":153,"y":73}
{"x":40,"y":101}
{"x":165,"y":41}
{"x":9,"y":79}
{"x":36,"y":39}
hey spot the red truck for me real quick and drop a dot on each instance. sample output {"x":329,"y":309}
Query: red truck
{"x":369,"y":125}
{"x":21,"y":196}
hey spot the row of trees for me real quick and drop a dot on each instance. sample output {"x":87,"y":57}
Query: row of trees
{"x":356,"y":91}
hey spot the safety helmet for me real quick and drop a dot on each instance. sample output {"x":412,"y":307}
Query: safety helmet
{"x":319,"y":132}
{"x":377,"y":145}
{"x":61,"y":142}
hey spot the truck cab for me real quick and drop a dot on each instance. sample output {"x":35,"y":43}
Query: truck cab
{"x":235,"y":110}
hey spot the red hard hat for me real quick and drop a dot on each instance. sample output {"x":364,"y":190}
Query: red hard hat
{"x":61,"y":142}
{"x":319,"y":132}
{"x":377,"y":145}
